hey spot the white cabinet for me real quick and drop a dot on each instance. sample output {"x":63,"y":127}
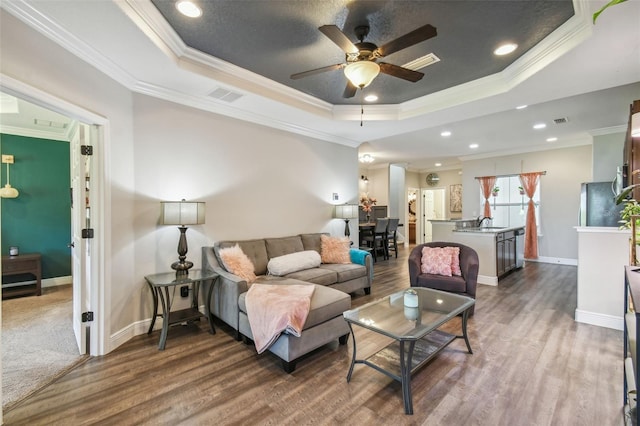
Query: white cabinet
{"x":602,"y":255}
{"x":631,"y":327}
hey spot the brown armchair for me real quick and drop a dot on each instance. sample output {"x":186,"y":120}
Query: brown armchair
{"x":464,"y":285}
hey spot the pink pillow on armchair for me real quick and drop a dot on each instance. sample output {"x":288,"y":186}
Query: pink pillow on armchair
{"x":436,"y":260}
{"x":455,"y":260}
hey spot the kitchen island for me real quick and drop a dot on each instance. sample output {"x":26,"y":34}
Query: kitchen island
{"x":500,"y":249}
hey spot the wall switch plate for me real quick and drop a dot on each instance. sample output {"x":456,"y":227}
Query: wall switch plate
{"x":184,"y":291}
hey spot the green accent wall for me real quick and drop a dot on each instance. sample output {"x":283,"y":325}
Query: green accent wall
{"x":39,"y":220}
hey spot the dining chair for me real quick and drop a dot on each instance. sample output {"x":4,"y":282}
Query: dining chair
{"x":378,"y":239}
{"x":392,"y":236}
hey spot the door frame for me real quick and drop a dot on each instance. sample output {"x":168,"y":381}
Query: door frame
{"x":418,"y":215}
{"x":425,"y":225}
{"x":95,"y":287}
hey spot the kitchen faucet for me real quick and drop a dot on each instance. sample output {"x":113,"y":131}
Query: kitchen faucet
{"x":482,"y":220}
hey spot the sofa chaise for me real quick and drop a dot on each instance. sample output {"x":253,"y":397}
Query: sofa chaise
{"x":333,"y":282}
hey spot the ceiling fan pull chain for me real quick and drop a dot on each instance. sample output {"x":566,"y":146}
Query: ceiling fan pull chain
{"x":361,"y":105}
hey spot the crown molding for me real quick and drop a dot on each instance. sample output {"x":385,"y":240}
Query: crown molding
{"x":222,"y":108}
{"x":32,"y":133}
{"x":29,"y":15}
{"x":609,"y":130}
{"x":538,"y":148}
{"x":562,"y":40}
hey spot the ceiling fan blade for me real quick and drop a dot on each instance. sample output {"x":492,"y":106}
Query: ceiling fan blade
{"x":400,"y":72}
{"x":338,"y":37}
{"x":350,"y":90}
{"x":317,"y":71}
{"x":414,"y":37}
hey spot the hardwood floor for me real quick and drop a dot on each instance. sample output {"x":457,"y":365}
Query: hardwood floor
{"x":532,"y":365}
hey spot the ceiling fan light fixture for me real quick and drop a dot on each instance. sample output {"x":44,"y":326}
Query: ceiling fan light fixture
{"x":361,"y":73}
{"x":366,"y":158}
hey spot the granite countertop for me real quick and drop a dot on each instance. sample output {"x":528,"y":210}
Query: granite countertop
{"x":492,"y":230}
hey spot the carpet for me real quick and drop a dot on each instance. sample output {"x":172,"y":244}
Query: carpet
{"x":38,"y":344}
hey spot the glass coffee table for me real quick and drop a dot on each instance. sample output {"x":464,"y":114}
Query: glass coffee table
{"x":414,"y":330}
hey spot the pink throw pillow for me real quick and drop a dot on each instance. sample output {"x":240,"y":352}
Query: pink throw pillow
{"x":436,"y":260}
{"x":236,"y":262}
{"x":455,"y":260}
{"x":335,"y":249}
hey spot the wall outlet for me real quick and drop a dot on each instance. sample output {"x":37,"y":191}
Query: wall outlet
{"x":184,"y":291}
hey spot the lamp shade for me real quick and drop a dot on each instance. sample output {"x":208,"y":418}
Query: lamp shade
{"x":8,"y":192}
{"x":361,"y":73}
{"x":346,"y":211}
{"x":182,"y":213}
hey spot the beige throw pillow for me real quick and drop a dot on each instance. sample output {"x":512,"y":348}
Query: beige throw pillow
{"x":236,"y":262}
{"x":335,"y":249}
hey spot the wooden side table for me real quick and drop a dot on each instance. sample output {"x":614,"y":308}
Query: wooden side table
{"x":26,"y":275}
{"x":160,"y":285}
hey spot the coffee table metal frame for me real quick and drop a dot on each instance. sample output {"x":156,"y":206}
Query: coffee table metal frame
{"x":414,"y":330}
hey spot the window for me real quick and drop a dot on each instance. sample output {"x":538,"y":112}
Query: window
{"x":509,"y":207}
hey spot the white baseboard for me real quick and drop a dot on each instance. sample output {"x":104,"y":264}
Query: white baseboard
{"x":487,"y":280}
{"x":601,"y":320}
{"x":555,"y":260}
{"x":127,"y":333}
{"x":137,"y":328}
{"x":56,"y":281}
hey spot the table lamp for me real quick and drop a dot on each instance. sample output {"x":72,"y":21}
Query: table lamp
{"x":182,"y":213}
{"x":346,"y":212}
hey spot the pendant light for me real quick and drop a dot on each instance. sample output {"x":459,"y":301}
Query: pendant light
{"x":8,"y":191}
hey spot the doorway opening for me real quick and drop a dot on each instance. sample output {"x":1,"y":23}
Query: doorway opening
{"x":412,"y":215}
{"x":88,"y":294}
{"x":433,"y":207}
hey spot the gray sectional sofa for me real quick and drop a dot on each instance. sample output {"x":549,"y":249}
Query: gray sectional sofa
{"x":333,"y":283}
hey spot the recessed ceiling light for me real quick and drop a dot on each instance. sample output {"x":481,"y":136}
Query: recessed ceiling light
{"x":473,"y":146}
{"x":539,"y":126}
{"x":521,"y":106}
{"x":552,"y":139}
{"x":505,"y":49}
{"x":371,"y":98}
{"x":189,"y":8}
{"x":438,"y":164}
{"x":445,"y":133}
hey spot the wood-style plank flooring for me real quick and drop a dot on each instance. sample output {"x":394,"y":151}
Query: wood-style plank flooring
{"x":532,"y":365}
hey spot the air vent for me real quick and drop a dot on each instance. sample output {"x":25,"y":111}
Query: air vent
{"x":225,"y":95}
{"x":561,"y":120}
{"x":422,"y":62}
{"x":49,"y":123}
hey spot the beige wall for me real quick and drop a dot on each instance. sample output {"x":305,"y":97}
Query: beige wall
{"x":157,"y":150}
{"x":447,"y":178}
{"x":566,"y":169}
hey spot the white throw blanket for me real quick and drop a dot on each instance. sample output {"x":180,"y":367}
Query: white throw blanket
{"x":274,"y":309}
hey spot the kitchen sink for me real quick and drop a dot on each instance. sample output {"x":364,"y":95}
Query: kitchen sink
{"x":481,"y":229}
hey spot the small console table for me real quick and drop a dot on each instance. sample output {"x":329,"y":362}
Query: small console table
{"x":26,"y":275}
{"x":160,"y":284}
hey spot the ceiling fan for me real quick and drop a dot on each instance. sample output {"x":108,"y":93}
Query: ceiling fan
{"x":361,"y":65}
